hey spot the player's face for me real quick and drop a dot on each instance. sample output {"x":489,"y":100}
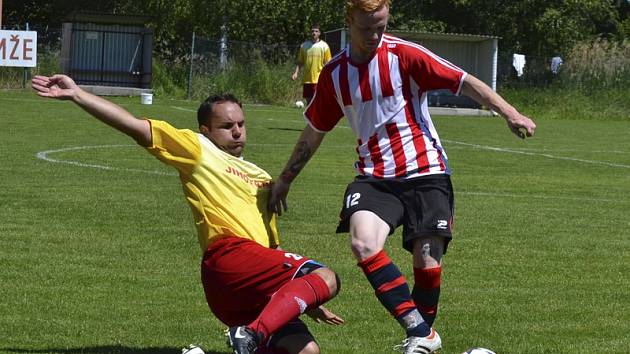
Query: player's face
{"x":315,"y":33}
{"x":366,"y":29}
{"x":227,"y":128}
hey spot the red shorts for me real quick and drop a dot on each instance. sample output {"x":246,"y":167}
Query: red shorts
{"x":239,"y":276}
{"x":308,"y":90}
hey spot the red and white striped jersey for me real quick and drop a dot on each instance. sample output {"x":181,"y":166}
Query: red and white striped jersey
{"x":385,"y":102}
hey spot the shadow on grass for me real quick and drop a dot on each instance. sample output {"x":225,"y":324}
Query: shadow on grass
{"x":106,"y":349}
{"x":289,"y":129}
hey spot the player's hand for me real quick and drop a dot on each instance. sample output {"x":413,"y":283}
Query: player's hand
{"x":323,"y":315}
{"x":278,"y":196}
{"x":521,"y":126}
{"x":294,"y":76}
{"x":57,"y":86}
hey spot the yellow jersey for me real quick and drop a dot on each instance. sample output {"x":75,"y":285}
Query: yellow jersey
{"x":228,"y":195}
{"x":313,"y":57}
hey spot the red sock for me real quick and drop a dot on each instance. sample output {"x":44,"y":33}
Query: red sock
{"x":289,"y":302}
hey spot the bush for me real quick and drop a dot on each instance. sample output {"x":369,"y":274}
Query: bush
{"x":47,"y":64}
{"x":168,"y":82}
{"x":597,"y":64}
{"x":256,"y":82}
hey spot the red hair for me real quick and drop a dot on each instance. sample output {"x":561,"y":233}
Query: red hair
{"x":365,"y":5}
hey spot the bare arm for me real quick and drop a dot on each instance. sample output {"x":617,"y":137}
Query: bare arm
{"x":307,"y":144}
{"x":64,"y":88}
{"x":296,"y":72}
{"x":484,"y":95}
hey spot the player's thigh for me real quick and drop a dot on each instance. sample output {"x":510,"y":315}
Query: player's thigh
{"x":429,"y":213}
{"x":375,"y":197}
{"x":241,"y":276}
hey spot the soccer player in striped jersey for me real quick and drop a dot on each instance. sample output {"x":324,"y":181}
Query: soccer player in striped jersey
{"x":250,"y":284}
{"x":380,"y":84}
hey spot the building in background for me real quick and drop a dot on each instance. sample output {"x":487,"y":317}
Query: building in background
{"x":108,"y":51}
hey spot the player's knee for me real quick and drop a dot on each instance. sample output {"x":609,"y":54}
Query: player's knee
{"x":310,"y":348}
{"x":363,"y":248}
{"x":427,"y":252}
{"x":331,"y":279}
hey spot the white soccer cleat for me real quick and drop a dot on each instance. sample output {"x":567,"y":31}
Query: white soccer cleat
{"x":192,"y":349}
{"x":421,"y":345}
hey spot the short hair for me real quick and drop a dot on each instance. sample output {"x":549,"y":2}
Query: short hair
{"x":316,"y":25}
{"x":205,"y":111}
{"x":365,"y":5}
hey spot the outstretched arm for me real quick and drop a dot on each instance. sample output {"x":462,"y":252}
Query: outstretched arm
{"x":519,"y":124}
{"x":62,"y":87}
{"x":305,"y":147}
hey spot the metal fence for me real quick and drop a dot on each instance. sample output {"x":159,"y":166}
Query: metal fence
{"x":536,"y":72}
{"x":209,"y":56}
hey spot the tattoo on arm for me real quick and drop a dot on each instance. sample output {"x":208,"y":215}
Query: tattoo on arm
{"x":300,"y":157}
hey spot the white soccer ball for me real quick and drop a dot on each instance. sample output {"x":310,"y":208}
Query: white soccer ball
{"x":478,"y":351}
{"x":299,"y":104}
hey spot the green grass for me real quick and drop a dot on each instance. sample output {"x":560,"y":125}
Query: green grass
{"x":569,"y":103}
{"x":96,"y":260}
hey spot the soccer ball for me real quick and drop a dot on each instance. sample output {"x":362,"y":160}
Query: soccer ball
{"x":192,"y":349}
{"x":299,"y":104}
{"x":478,"y":351}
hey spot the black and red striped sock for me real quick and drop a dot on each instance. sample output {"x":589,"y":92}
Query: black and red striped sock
{"x":426,"y":291}
{"x":393,"y":292}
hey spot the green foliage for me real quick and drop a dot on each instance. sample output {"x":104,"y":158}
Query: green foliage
{"x":539,"y":28}
{"x":257,"y":82}
{"x":567,"y":103}
{"x":536,"y":27}
{"x":168,"y":80}
{"x":598,"y":64}
{"x":11,"y":78}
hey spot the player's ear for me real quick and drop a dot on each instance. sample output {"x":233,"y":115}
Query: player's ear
{"x":203,"y":129}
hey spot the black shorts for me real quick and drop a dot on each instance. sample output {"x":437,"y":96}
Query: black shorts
{"x":292,"y":328}
{"x":423,"y":205}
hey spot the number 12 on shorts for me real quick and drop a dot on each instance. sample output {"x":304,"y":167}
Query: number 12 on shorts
{"x":352,"y":200}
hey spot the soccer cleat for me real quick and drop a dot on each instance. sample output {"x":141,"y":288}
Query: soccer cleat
{"x":243,"y":340}
{"x":421,"y":345}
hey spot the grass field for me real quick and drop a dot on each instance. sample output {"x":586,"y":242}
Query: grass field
{"x":98,"y":253}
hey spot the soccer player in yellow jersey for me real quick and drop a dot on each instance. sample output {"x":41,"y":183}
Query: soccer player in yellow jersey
{"x":252,"y":286}
{"x":313,"y":55}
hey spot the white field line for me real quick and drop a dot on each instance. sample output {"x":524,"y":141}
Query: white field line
{"x":540,"y":196}
{"x":529,"y":152}
{"x":183,"y":109}
{"x":550,"y":156}
{"x":44,"y":155}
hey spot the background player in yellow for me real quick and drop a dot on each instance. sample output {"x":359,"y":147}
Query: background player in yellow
{"x":313,"y":55}
{"x":252,"y":286}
